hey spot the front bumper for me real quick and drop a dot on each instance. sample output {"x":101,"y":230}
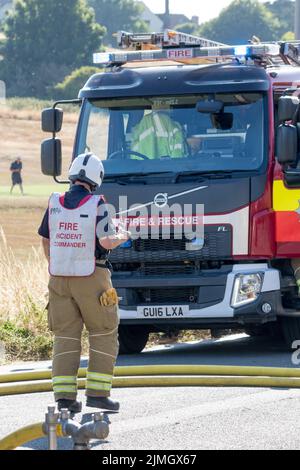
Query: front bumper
{"x":209,"y":312}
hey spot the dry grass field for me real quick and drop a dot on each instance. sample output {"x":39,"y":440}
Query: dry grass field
{"x":23,"y":270}
{"x":21,"y":135}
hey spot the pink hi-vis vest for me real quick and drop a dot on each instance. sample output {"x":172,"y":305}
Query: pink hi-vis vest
{"x":72,"y":237}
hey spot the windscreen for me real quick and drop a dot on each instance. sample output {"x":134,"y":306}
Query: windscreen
{"x":220,"y":132}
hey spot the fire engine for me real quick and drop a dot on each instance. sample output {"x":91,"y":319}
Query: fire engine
{"x":178,"y":118}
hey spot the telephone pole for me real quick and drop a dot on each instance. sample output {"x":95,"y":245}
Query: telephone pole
{"x":167,"y":14}
{"x":167,"y":7}
{"x":297,"y":19}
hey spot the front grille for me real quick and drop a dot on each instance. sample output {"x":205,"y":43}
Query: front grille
{"x":171,"y":270}
{"x":217,"y":246}
{"x":173,"y":296}
{"x":159,"y":245}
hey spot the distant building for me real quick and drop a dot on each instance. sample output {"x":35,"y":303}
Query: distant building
{"x":174,"y":19}
{"x":157,"y":22}
{"x":153,"y":21}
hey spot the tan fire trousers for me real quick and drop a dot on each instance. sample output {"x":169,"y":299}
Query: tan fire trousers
{"x":74,"y":302}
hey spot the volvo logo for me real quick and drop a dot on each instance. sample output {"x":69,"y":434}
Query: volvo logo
{"x":161,"y":200}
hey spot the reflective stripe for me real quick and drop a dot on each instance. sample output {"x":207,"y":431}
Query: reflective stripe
{"x":105,"y":334}
{"x":177,"y":147}
{"x":101,"y":352}
{"x":172,"y":133}
{"x":69,"y":352}
{"x":102,"y":380}
{"x":64,"y":380}
{"x":146,"y":133}
{"x":161,"y":132}
{"x":99,"y":377}
{"x":98,"y":386}
{"x":65,"y":337}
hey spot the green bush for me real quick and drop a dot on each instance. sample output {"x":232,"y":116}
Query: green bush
{"x":23,"y":344}
{"x":71,"y":85}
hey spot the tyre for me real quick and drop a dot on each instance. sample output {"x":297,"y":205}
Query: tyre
{"x":132,"y":339}
{"x":291,"y":330}
{"x":271,"y":330}
{"x":256,"y":331}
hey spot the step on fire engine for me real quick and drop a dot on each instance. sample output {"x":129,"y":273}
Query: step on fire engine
{"x":179,"y":119}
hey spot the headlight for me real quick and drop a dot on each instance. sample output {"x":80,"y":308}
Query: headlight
{"x":246,"y":289}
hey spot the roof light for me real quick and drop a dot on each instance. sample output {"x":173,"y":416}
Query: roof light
{"x":183,"y":48}
{"x":103,"y":58}
{"x":241,"y":51}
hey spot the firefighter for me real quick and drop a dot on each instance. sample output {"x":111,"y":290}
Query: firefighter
{"x":157,"y":135}
{"x":80,"y":288}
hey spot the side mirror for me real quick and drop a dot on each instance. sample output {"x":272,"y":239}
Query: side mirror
{"x":288,"y":107}
{"x":52,"y":120}
{"x":287,"y":144}
{"x":51,"y":157}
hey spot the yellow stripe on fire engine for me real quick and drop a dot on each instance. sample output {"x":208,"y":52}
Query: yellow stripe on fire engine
{"x":285,"y":199}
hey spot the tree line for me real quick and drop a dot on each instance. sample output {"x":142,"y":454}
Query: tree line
{"x":46,"y":47}
{"x":243,"y":19}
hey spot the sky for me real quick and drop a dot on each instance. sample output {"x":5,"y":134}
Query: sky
{"x":205,"y":9}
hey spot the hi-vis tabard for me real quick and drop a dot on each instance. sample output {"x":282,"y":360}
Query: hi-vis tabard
{"x":72,"y":237}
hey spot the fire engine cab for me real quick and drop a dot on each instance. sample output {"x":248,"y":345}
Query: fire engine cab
{"x":181,"y":119}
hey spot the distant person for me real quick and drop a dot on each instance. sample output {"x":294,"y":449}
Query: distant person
{"x":16,"y":174}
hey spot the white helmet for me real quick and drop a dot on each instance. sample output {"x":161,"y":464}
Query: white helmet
{"x":87,"y":168}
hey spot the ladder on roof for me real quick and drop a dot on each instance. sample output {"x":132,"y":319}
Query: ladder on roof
{"x":291,"y":51}
{"x":188,"y":49}
{"x":166,"y":39}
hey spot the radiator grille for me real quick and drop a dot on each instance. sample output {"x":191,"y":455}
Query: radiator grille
{"x":184,"y":295}
{"x":217,"y":246}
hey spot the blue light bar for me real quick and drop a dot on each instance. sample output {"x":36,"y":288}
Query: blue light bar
{"x":103,"y":58}
{"x":189,"y":54}
{"x":241,"y":51}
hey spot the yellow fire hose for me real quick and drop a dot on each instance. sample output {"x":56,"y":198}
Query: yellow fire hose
{"x":27,"y":434}
{"x":146,"y":376}
{"x":165,"y":370}
{"x":39,"y":386}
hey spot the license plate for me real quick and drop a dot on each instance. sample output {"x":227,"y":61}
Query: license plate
{"x":163,"y":311}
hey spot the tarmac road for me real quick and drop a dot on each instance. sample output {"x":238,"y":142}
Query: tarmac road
{"x":185,"y":418}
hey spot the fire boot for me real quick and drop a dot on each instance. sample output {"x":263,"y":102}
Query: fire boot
{"x":102,"y":403}
{"x":72,"y":405}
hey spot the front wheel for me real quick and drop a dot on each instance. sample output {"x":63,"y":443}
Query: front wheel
{"x":270,"y":330}
{"x":132,"y":339}
{"x":291,"y":331}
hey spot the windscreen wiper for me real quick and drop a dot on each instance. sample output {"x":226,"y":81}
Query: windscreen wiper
{"x":124,"y":178}
{"x":218,"y":174}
